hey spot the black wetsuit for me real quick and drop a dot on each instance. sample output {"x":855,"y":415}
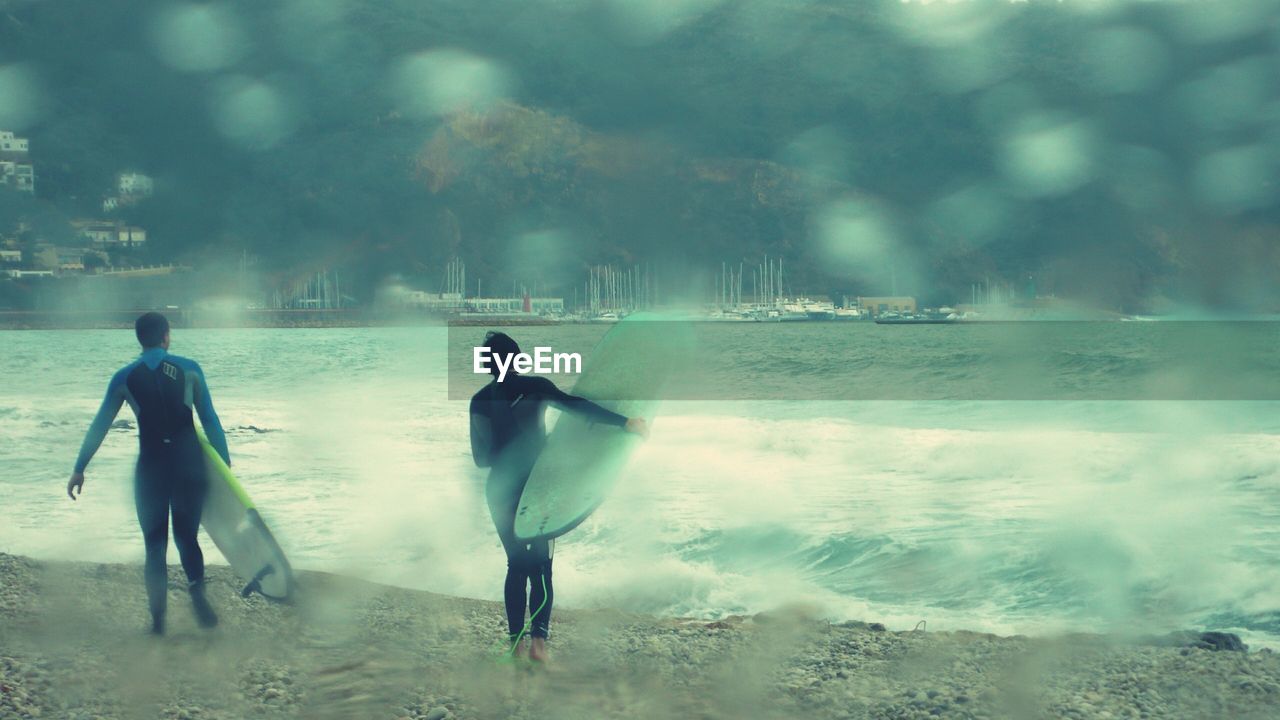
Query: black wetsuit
{"x":508,"y":431}
{"x":162,"y":389}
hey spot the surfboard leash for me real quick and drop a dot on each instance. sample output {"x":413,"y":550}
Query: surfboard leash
{"x":509,"y":653}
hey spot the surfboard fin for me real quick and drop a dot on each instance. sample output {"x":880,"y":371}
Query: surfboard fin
{"x":255,"y":585}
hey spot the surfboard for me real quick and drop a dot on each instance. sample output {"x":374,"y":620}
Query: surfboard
{"x":239,"y":532}
{"x":582,"y":461}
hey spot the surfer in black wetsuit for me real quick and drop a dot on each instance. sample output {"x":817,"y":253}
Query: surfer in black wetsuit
{"x":162,"y":389}
{"x":508,"y":431}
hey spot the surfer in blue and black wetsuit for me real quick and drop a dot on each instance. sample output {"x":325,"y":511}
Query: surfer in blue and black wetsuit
{"x":162,"y":389}
{"x":508,"y":431}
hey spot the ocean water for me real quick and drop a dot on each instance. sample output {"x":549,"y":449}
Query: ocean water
{"x":1039,"y":515}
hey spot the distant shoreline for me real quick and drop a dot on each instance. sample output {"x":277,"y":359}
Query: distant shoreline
{"x":123,"y":319}
{"x":314,"y":319}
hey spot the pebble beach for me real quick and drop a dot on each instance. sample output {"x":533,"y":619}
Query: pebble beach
{"x":73,"y":645}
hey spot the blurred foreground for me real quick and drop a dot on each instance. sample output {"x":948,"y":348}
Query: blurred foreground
{"x":72,"y":645}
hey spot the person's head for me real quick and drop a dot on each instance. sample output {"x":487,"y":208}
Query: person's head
{"x":152,"y":330}
{"x":500,"y":346}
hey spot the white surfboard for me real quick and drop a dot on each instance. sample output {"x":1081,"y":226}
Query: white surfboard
{"x":582,"y":460}
{"x":239,"y":532}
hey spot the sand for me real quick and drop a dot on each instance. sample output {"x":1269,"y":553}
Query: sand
{"x":73,"y":644}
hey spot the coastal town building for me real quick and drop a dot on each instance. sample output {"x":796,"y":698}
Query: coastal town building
{"x":15,"y":170}
{"x":131,"y":187}
{"x":110,"y":233}
{"x":886,"y":304}
{"x":98,"y":232}
{"x":130,"y":236}
{"x":11,"y":144}
{"x":145,"y":271}
{"x":134,"y":185}
{"x":20,"y":176}
{"x":58,"y":258}
{"x":70,"y":259}
{"x":10,"y":257}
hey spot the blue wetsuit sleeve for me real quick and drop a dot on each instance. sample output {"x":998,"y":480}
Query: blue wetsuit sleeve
{"x":579,"y":405}
{"x":102,"y":421}
{"x":209,"y":417}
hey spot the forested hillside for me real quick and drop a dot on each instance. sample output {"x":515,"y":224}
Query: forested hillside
{"x":1123,"y":154}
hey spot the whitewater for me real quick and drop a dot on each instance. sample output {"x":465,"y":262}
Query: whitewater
{"x":1030,"y":516}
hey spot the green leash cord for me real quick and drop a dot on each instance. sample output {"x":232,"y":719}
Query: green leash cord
{"x":510,"y":652}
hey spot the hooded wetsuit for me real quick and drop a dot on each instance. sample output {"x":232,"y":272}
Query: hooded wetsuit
{"x":508,"y":431}
{"x":162,"y":389}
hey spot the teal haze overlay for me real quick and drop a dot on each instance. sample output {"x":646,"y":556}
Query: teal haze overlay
{"x":1127,"y":517}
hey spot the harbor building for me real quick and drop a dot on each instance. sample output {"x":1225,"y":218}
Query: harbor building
{"x":526,"y":305}
{"x":454,"y":302}
{"x":431,"y":301}
{"x":880,"y":305}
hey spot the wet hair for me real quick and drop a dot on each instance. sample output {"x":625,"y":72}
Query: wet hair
{"x":501,"y":345}
{"x":151,"y":329}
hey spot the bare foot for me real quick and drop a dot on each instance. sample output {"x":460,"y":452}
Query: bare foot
{"x":521,"y":650}
{"x":538,"y":650}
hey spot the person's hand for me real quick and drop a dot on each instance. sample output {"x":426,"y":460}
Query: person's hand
{"x":637,"y":426}
{"x":75,"y":485}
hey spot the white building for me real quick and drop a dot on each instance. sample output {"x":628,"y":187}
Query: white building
{"x":134,"y":185}
{"x":20,"y":176}
{"x":69,"y":259}
{"x":129,"y":236}
{"x":537,"y":305}
{"x":98,"y":232}
{"x":109,"y":233}
{"x":454,"y":302}
{"x":9,"y":143}
{"x":10,"y":257}
{"x":438,"y":302}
